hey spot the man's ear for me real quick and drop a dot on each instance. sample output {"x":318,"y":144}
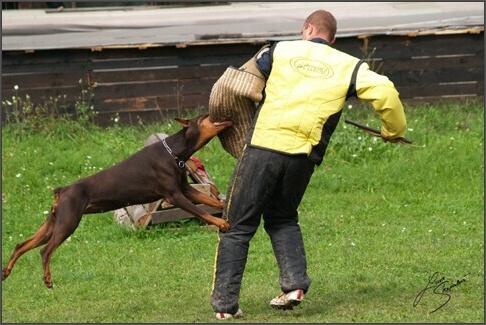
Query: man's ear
{"x":182,"y":121}
{"x":307,"y":30}
{"x":310,"y":32}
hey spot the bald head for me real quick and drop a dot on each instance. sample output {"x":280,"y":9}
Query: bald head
{"x":320,"y":23}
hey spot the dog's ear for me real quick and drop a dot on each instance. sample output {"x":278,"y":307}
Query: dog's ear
{"x":182,"y":121}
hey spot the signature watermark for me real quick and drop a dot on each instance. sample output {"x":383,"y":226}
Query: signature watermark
{"x":439,"y":285}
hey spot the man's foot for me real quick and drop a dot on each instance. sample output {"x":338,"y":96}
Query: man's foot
{"x":224,"y":316}
{"x":287,"y":301}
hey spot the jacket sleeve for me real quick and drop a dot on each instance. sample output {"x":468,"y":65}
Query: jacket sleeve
{"x":384,"y":97}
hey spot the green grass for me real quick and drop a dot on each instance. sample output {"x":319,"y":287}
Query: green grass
{"x":378,"y":220}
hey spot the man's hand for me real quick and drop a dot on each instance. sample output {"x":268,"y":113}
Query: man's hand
{"x":377,"y":133}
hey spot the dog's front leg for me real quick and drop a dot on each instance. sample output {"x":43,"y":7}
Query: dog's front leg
{"x":179,"y":200}
{"x":199,"y":197}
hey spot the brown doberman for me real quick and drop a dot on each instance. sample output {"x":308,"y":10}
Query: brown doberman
{"x":156,"y":171}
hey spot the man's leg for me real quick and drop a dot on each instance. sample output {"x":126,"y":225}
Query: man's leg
{"x":281,"y":224}
{"x":250,"y":185}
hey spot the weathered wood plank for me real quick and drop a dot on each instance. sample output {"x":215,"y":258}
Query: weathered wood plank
{"x":150,"y":102}
{"x":43,"y":80}
{"x":52,"y":61}
{"x":162,"y":87}
{"x":436,"y":76}
{"x":403,"y":47}
{"x":472,"y":89}
{"x":155,"y":74}
{"x":420,"y":64}
{"x":221,"y":50}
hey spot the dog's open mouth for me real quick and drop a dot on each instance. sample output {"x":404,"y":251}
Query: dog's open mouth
{"x":220,"y":121}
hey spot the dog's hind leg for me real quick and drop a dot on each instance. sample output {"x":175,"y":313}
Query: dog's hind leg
{"x":68,"y":215}
{"x":41,"y":236}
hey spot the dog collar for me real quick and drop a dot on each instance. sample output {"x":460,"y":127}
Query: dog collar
{"x":180,"y":163}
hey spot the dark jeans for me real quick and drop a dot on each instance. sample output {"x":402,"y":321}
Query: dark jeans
{"x":269,"y":184}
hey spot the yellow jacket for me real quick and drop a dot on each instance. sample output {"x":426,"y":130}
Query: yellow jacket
{"x":308,"y":83}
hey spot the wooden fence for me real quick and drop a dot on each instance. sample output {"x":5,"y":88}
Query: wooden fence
{"x":127,"y":81}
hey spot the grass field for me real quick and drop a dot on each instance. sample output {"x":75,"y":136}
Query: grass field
{"x":394,"y":233}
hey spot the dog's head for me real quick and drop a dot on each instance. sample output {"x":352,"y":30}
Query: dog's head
{"x":200,"y":130}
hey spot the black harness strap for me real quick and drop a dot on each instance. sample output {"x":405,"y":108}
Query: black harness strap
{"x":352,"y":84}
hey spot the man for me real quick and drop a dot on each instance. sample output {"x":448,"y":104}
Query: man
{"x":307,"y":84}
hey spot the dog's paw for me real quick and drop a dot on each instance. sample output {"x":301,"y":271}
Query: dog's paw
{"x":5,"y":273}
{"x":48,"y":281}
{"x":224,"y":226}
{"x":220,"y":206}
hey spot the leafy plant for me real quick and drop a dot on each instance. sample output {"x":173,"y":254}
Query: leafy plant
{"x":45,"y":118}
{"x":367,"y":55}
